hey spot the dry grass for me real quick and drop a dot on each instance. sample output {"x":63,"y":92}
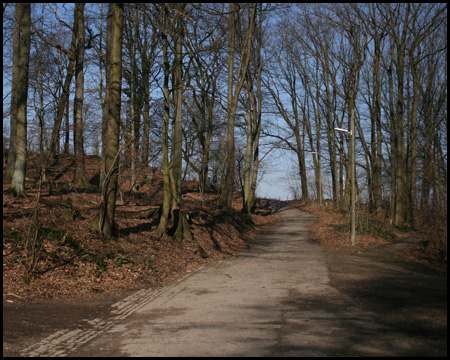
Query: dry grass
{"x":332,"y":229}
{"x":425,"y":250}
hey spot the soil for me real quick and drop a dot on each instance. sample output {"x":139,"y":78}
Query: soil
{"x":395,"y":279}
{"x":391,"y":279}
{"x":409,"y":303}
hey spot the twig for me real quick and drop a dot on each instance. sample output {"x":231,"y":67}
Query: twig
{"x":17,"y":296}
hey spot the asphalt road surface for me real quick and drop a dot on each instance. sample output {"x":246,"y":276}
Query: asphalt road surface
{"x":273,"y":300}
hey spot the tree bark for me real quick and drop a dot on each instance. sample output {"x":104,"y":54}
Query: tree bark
{"x":21,"y":56}
{"x":228,"y":186}
{"x":177,"y":133}
{"x":164,"y":219}
{"x":233,"y":97}
{"x":251,"y":171}
{"x":79,"y":176}
{"x":104,"y":222}
{"x":376,"y":184}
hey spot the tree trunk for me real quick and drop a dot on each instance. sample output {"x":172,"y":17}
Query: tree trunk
{"x":177,"y":135}
{"x":248,"y":150}
{"x":255,"y":120}
{"x":146,"y":115}
{"x":164,"y":219}
{"x":331,"y":133}
{"x":233,"y":97}
{"x":398,"y":32}
{"x":375,"y":188}
{"x":104,"y":222}
{"x":147,"y":61}
{"x":413,"y":142}
{"x":21,"y":55}
{"x":228,"y":186}
{"x":79,"y":176}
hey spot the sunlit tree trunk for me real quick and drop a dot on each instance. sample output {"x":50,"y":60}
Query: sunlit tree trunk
{"x":104,"y":222}
{"x":164,"y":218}
{"x":21,"y":56}
{"x":79,"y":176}
{"x":233,"y":97}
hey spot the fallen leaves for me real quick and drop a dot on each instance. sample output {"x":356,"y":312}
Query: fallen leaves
{"x":76,"y":263}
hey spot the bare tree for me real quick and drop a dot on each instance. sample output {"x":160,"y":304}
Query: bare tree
{"x":202,"y":105}
{"x":233,"y":94}
{"x":63,"y":100}
{"x":172,"y":24}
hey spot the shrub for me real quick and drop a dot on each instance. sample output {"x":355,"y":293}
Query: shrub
{"x":433,"y":223}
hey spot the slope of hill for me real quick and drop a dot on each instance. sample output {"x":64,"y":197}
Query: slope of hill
{"x":55,"y":256}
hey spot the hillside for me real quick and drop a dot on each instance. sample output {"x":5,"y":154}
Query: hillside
{"x":65,"y":260}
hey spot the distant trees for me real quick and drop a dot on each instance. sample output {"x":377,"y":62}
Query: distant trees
{"x":364,"y":64}
{"x":75,"y":66}
{"x":202,"y":103}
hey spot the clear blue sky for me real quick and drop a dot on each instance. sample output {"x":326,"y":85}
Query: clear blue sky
{"x":275,"y":176}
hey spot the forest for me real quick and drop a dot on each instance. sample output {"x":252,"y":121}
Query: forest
{"x":207,"y":92}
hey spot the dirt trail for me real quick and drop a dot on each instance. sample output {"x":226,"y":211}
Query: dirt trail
{"x":283,"y":297}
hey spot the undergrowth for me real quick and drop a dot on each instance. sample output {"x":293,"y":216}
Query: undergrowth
{"x":54,"y":247}
{"x":433,"y":223}
{"x":374,"y":224}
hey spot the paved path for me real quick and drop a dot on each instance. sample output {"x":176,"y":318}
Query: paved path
{"x":273,"y":300}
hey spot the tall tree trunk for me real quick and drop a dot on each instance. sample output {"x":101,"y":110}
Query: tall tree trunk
{"x":400,"y":203}
{"x":255,"y":125}
{"x":103,"y":101}
{"x":300,"y":144}
{"x":79,"y":176}
{"x":164,"y":219}
{"x":233,"y":97}
{"x":172,"y":171}
{"x":67,"y":130}
{"x":413,"y":142}
{"x":399,"y":30}
{"x":228,"y":186}
{"x":177,"y":135}
{"x":41,"y":125}
{"x":331,"y":133}
{"x":19,"y":95}
{"x":147,"y":61}
{"x":255,"y":156}
{"x":104,"y":222}
{"x":428,"y":164}
{"x":248,"y":149}
{"x":376,"y":190}
{"x":133,"y":106}
{"x":146,"y":115}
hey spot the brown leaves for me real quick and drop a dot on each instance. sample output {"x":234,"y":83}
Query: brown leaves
{"x":77,"y":263}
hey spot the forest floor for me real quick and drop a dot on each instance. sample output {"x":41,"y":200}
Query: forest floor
{"x":66,"y":256}
{"x":71,"y":263}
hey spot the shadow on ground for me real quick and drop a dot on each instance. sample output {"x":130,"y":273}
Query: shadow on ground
{"x":409,"y":305}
